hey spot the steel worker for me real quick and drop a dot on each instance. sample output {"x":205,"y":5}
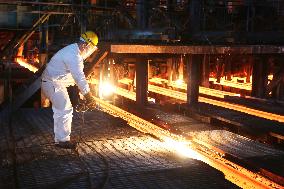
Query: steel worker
{"x":63,"y":70}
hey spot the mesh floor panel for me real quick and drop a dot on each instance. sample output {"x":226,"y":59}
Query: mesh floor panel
{"x":110,"y":155}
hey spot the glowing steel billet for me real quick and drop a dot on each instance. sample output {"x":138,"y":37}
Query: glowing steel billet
{"x":24,"y":64}
{"x":202,"y":90}
{"x":232,"y":83}
{"x":233,"y":172}
{"x":254,"y":112}
{"x":182,"y":96}
{"x":158,"y":80}
{"x":167,"y":92}
{"x":240,"y":108}
{"x":127,"y":94}
{"x":125,"y":81}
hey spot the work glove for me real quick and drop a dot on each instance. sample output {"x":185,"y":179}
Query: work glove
{"x":90,"y":100}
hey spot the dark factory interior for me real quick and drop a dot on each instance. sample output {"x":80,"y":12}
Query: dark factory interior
{"x":141,"y":94}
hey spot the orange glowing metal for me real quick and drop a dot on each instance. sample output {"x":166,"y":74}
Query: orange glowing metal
{"x":125,"y":93}
{"x":130,"y":95}
{"x":240,"y":108}
{"x":158,"y":80}
{"x":233,"y":83}
{"x":202,"y":90}
{"x":24,"y":64}
{"x":125,"y":81}
{"x":182,"y":96}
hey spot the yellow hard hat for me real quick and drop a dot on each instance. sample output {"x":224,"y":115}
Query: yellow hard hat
{"x":90,"y":37}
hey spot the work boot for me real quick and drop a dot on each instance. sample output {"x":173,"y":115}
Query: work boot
{"x":66,"y":144}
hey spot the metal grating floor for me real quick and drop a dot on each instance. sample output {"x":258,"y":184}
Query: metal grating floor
{"x":113,"y":155}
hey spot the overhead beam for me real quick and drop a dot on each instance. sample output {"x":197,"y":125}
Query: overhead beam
{"x":56,"y":4}
{"x":206,"y":49}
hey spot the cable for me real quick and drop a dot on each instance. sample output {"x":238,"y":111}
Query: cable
{"x":82,"y":108}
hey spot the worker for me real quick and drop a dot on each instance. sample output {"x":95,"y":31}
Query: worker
{"x":63,"y":70}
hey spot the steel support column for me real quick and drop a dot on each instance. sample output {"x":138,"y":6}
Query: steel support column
{"x":141,"y":81}
{"x":193,"y":63}
{"x":259,"y":77}
{"x":170,"y":70}
{"x":205,"y":71}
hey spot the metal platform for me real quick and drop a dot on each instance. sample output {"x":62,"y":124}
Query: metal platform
{"x":113,"y":155}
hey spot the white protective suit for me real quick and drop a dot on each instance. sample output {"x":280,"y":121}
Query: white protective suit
{"x":64,"y":69}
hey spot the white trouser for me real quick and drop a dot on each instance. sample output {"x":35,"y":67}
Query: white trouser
{"x":62,"y":110}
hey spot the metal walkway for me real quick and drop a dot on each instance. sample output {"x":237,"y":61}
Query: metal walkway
{"x":113,"y":155}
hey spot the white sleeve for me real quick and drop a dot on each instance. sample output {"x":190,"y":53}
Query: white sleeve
{"x":75,"y":64}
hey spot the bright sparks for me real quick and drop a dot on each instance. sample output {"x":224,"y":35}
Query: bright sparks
{"x":182,"y":148}
{"x":106,"y":89}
